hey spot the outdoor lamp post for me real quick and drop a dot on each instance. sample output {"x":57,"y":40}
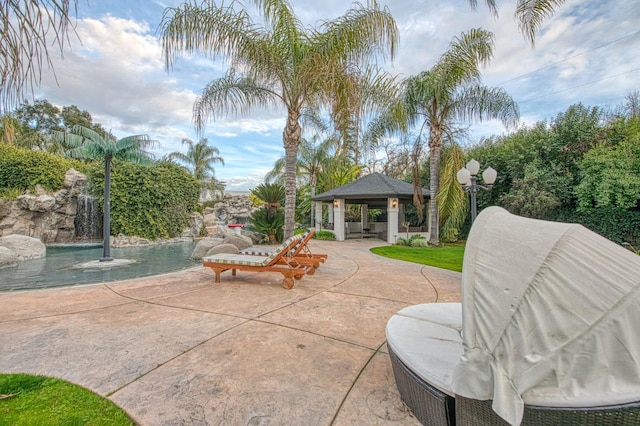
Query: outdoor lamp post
{"x":467,"y":178}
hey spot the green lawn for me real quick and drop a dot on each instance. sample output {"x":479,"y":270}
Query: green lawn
{"x":447,"y":257}
{"x":37,"y":400}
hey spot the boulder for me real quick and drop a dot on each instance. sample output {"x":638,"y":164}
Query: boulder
{"x":196,"y":226}
{"x":7,"y":257}
{"x":36,"y":203}
{"x":74,"y":178}
{"x":24,"y":247}
{"x":223,"y":248}
{"x":203,"y":247}
{"x":239,"y":241}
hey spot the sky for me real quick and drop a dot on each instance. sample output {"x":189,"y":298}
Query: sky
{"x":587,"y":52}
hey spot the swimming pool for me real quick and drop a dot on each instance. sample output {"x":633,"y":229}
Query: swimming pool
{"x":57,"y":268}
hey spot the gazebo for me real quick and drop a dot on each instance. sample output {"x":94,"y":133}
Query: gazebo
{"x":371,"y":191}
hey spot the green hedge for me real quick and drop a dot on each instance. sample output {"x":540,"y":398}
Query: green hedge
{"x":22,"y":169}
{"x":151,"y":202}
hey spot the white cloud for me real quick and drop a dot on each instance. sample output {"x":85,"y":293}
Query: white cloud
{"x":118,"y":73}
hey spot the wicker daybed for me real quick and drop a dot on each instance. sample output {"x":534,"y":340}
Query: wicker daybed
{"x":547,"y":332}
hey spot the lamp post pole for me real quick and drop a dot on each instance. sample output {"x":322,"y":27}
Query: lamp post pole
{"x":467,"y":177}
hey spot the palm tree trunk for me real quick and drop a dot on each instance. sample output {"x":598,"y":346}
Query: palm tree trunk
{"x":435,"y":146}
{"x":291,"y":140}
{"x":106,"y":224}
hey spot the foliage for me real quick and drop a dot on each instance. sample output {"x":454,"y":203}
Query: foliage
{"x":530,"y":14}
{"x":31,"y":125}
{"x":610,"y":176}
{"x":453,"y":204}
{"x":445,"y":257}
{"x":38,"y":400}
{"x":23,"y":169}
{"x":534,"y":195}
{"x":402,"y":241}
{"x":325,"y":235}
{"x":272,"y":194}
{"x":200,"y":158}
{"x":418,"y":242}
{"x":268,"y":221}
{"x":618,"y":225}
{"x":29,"y":30}
{"x":151,"y":202}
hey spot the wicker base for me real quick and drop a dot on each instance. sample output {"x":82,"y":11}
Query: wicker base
{"x":430,"y":406}
{"x":471,"y":412}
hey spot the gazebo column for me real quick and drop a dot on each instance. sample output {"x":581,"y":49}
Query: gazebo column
{"x":393,"y":209}
{"x":318,"y":216}
{"x":338,"y":215}
{"x":364,"y":215}
{"x":330,"y":218}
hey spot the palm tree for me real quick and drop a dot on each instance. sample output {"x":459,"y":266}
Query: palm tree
{"x":200,"y":158}
{"x":88,"y":144}
{"x":29,"y":29}
{"x":530,"y":14}
{"x":437,"y":99}
{"x":281,"y":64}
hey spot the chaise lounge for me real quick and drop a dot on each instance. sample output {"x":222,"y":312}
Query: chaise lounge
{"x":546,"y":334}
{"x":300,"y":252}
{"x":278,"y":261}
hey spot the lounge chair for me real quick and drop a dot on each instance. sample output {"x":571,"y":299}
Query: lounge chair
{"x":300,"y":252}
{"x":546,"y":333}
{"x":289,"y":267}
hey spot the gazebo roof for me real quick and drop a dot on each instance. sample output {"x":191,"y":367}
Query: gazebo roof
{"x":371,"y":189}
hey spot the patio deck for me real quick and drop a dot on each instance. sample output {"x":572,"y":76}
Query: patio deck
{"x":180,"y":349}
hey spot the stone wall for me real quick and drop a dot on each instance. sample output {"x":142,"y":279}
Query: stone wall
{"x":47,"y":216}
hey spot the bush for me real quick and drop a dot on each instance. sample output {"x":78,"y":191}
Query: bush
{"x":151,"y":202}
{"x":22,"y":169}
{"x":325,"y":235}
{"x":418,"y":242}
{"x":402,"y":242}
{"x":269,"y":222}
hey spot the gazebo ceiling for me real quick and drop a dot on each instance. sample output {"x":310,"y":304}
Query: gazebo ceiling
{"x":373,"y":189}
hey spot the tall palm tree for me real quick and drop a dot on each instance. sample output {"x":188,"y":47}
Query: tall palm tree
{"x":88,"y":144}
{"x":281,"y":64}
{"x":200,"y":158}
{"x":436,"y":100}
{"x":529,"y":13}
{"x":29,"y":30}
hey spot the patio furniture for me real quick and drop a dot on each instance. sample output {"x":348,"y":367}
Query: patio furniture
{"x":300,"y":252}
{"x":289,"y":267}
{"x":547,"y":331}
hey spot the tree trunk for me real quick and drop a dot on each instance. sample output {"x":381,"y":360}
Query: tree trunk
{"x":435,"y":146}
{"x":291,"y":141}
{"x":106,"y":224}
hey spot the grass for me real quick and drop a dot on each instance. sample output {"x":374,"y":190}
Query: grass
{"x":38,"y":400}
{"x":447,"y":257}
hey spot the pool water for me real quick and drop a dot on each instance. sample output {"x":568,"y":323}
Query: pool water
{"x":57,"y":268}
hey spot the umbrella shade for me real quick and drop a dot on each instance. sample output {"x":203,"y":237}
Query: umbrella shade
{"x":550,"y":316}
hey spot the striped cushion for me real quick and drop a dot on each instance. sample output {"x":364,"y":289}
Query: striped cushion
{"x":249,"y":259}
{"x":237,"y":259}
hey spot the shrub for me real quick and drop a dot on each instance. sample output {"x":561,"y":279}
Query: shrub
{"x":325,"y":235}
{"x":151,"y":202}
{"x":418,"y":242}
{"x":402,"y":242}
{"x":267,"y":221}
{"x":22,"y":169}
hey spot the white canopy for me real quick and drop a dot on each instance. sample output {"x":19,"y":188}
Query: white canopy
{"x":551,"y":316}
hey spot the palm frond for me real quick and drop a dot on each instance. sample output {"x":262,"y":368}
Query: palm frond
{"x":531,"y":14}
{"x":232,"y":93}
{"x":453,"y":204}
{"x":478,"y":103}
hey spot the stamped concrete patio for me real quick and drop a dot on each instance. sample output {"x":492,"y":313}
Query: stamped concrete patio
{"x":178,"y":349}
